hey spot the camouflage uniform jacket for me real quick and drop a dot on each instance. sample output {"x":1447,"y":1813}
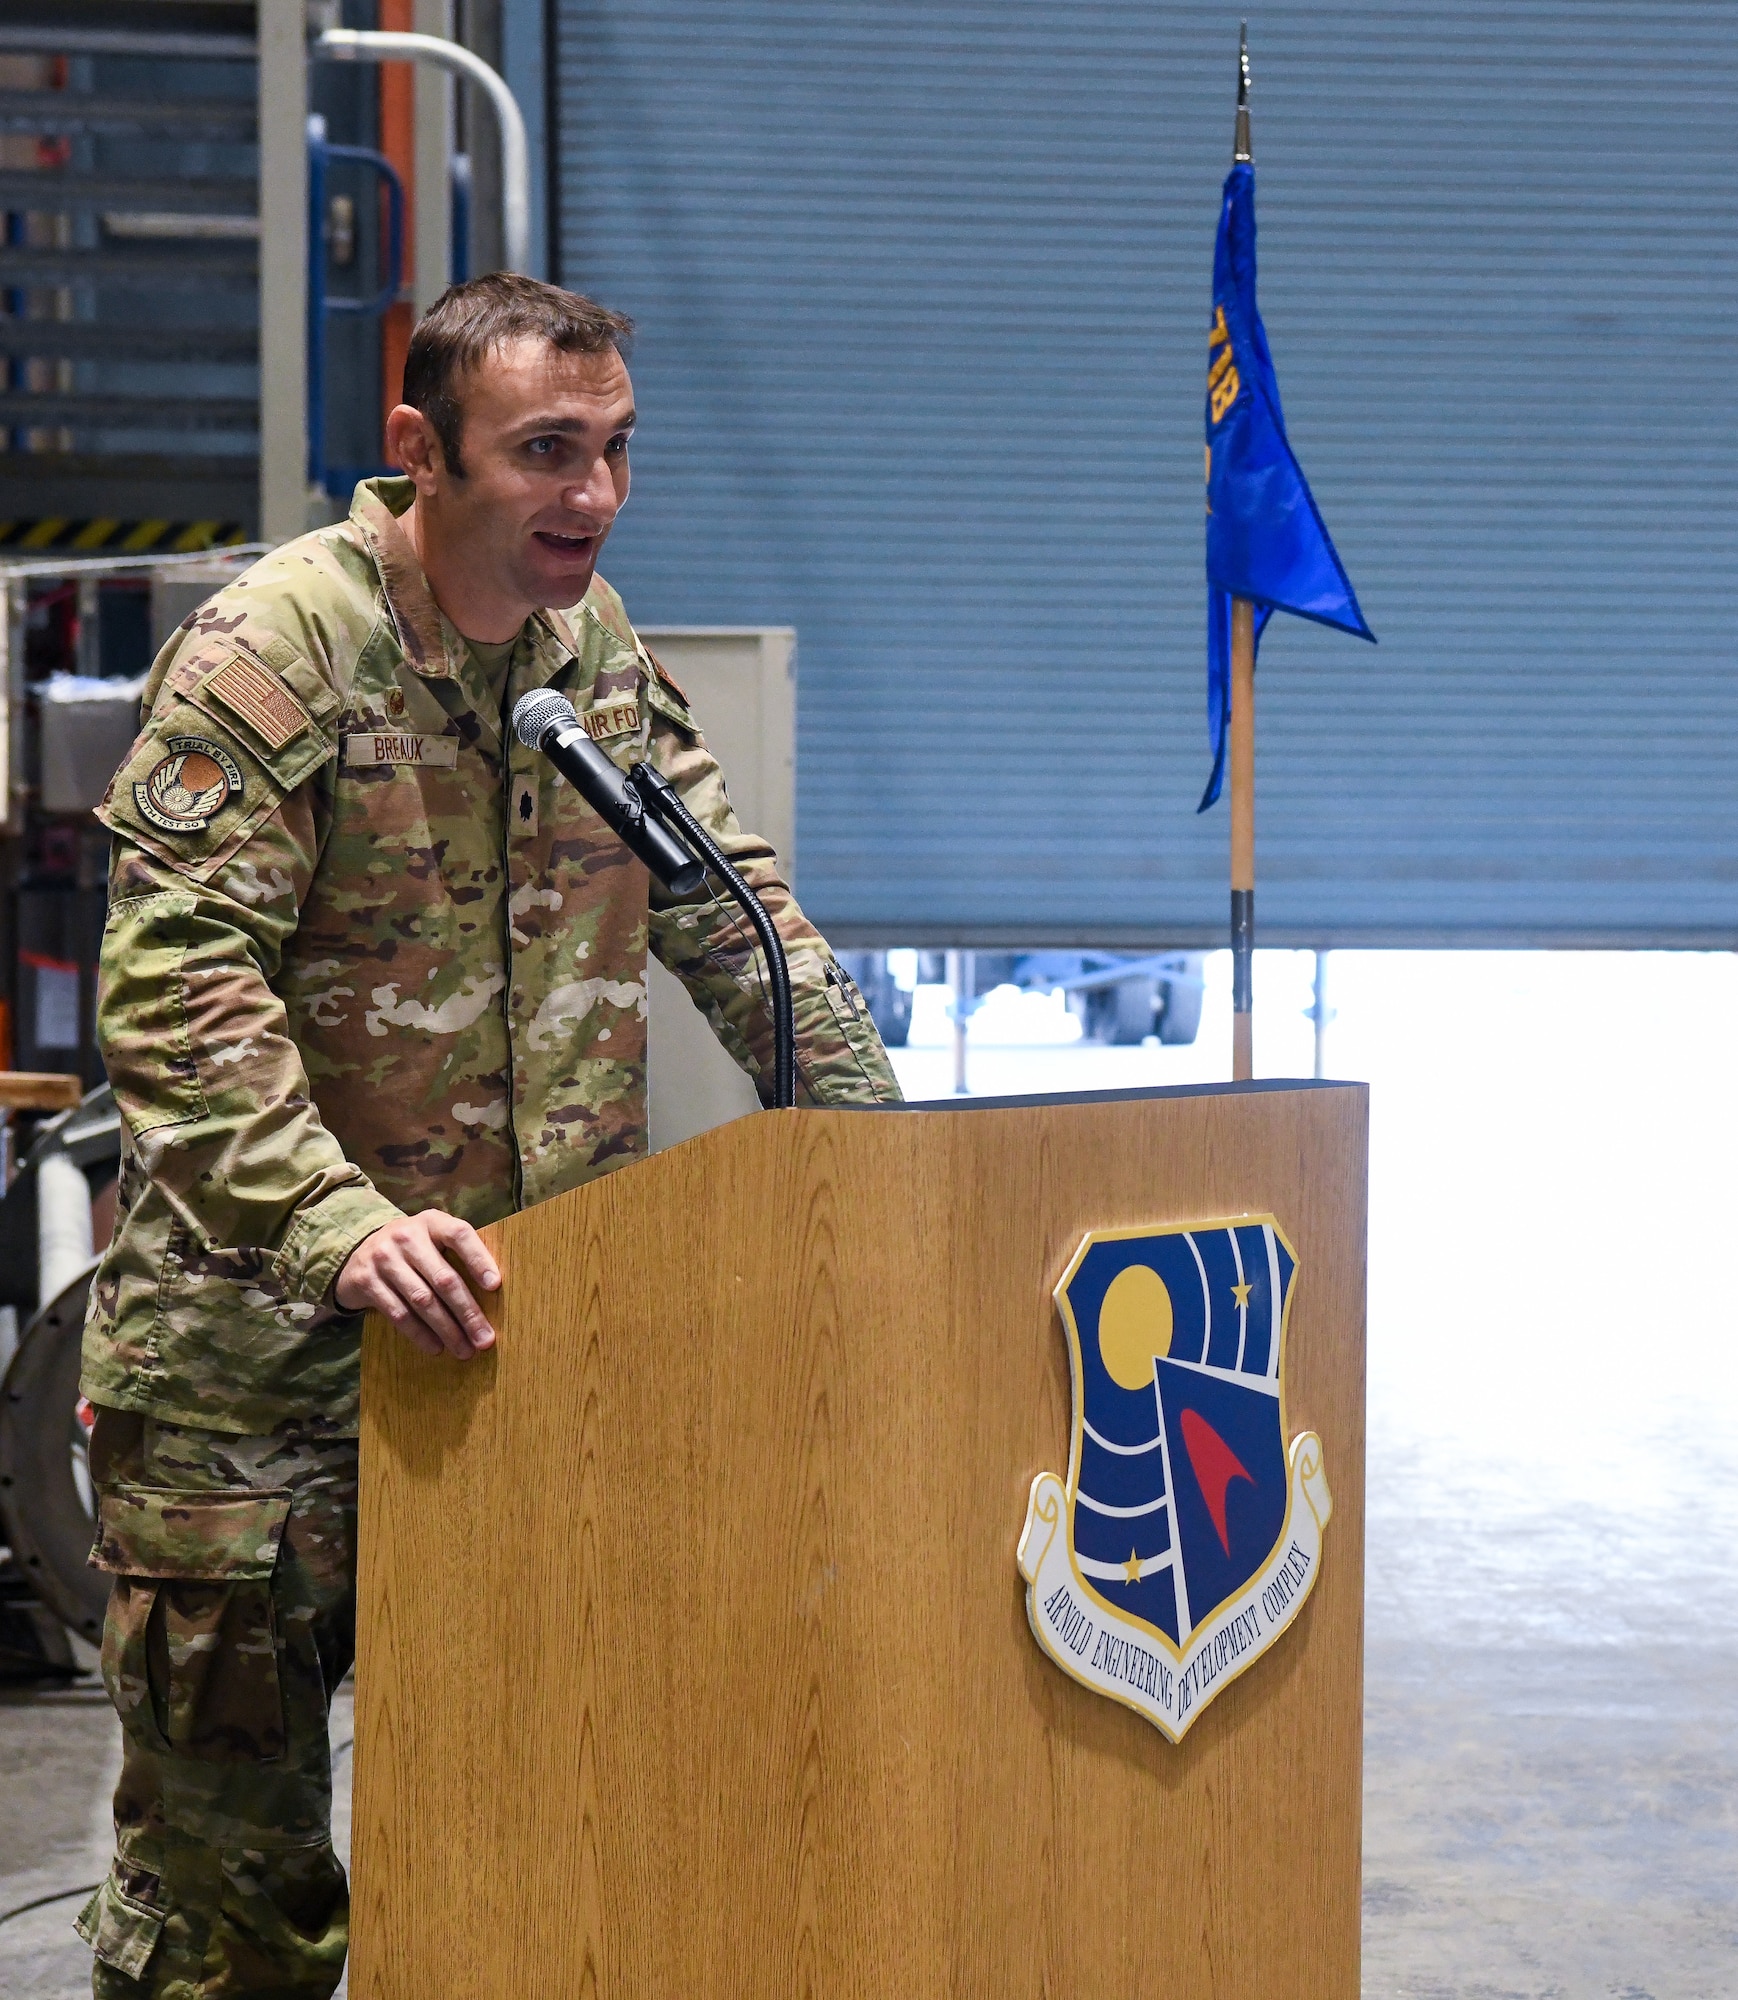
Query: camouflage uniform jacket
{"x":364,"y":956}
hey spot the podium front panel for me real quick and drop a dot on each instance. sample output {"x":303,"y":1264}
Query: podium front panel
{"x":693,"y":1657}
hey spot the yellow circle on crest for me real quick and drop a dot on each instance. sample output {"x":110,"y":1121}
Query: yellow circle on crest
{"x":1134,"y":1326}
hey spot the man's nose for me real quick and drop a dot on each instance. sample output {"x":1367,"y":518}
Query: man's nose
{"x":593,"y":496}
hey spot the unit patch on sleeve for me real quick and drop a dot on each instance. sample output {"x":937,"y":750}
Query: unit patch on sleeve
{"x":186,"y":791}
{"x":385,"y":746}
{"x":260,"y":699}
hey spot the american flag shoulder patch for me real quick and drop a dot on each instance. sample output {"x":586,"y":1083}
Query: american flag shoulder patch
{"x":259,"y":698}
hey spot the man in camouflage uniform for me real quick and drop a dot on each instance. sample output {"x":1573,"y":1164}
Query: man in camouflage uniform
{"x":373,"y":975}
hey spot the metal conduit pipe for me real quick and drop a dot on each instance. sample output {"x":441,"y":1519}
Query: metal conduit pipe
{"x":64,"y":1238}
{"x":385,"y":45}
{"x":72,"y":41}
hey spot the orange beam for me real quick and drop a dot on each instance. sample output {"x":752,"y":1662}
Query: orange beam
{"x":398,"y":143}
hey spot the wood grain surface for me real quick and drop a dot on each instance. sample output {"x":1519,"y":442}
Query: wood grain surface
{"x":38,"y":1090}
{"x":693,"y":1654}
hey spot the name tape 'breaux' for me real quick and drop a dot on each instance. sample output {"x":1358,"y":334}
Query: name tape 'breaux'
{"x":441,"y":753}
{"x":386,"y":746}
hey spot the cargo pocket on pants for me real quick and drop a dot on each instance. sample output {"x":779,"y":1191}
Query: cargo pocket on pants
{"x":121,"y":1928}
{"x":190,"y":1645}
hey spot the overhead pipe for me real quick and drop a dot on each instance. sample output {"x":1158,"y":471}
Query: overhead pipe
{"x":126,"y":42}
{"x":391,"y":45}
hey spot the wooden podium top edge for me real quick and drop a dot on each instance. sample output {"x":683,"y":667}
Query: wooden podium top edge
{"x":1038,"y":1099}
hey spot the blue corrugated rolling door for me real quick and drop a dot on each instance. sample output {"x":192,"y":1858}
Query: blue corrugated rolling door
{"x":923,"y":299}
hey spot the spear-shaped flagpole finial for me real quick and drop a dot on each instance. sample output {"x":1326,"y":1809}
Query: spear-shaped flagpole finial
{"x":1240,"y":143}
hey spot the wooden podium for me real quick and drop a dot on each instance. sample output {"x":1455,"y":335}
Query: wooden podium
{"x":694,"y":1658}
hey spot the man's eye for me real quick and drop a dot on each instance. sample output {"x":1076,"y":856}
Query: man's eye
{"x":543,"y":447}
{"x":617,"y":446}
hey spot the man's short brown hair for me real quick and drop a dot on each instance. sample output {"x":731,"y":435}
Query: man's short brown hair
{"x":469,"y":322}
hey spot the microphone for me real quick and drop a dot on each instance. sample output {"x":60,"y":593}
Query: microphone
{"x":641,"y":807}
{"x":544,"y":720}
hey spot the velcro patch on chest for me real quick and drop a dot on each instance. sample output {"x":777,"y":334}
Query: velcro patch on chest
{"x":385,"y":746}
{"x":522,"y":812}
{"x":610,"y":718}
{"x":259,"y":698}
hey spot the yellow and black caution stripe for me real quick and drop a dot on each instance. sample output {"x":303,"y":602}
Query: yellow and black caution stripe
{"x":120,"y":538}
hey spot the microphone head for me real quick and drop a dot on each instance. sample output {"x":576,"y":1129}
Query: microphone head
{"x":536,"y":713}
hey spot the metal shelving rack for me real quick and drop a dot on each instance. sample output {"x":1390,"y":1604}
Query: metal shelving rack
{"x":129,"y":275}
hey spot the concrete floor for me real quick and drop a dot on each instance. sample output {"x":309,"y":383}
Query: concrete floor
{"x":59,"y":1757}
{"x":1550,"y":1807}
{"x":1551,"y":1789}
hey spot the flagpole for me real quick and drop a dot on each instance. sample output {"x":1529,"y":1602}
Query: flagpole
{"x":1267,"y":547}
{"x":1242,"y":838}
{"x":1242,"y":736}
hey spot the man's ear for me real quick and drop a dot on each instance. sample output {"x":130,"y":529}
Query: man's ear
{"x":413,"y":444}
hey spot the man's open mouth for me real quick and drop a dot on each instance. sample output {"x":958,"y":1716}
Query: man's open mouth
{"x":566,"y":545}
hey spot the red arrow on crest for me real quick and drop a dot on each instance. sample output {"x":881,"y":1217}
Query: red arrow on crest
{"x":1215,"y":1465}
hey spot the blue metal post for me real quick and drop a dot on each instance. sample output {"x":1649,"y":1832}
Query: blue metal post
{"x":321,"y":305}
{"x":461,"y":248}
{"x":317,"y":301}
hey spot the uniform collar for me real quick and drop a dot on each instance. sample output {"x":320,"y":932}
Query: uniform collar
{"x":431,"y":642}
{"x":553,"y":638}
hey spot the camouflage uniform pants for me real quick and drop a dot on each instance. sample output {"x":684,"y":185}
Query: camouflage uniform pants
{"x":232,"y":1618}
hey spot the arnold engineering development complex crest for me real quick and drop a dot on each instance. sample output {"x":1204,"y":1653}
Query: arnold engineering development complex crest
{"x":1188,"y":1533}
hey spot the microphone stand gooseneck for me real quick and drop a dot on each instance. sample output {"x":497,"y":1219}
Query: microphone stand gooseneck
{"x":665,"y":804}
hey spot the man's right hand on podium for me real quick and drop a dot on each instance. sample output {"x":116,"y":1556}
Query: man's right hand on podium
{"x":406,"y":1271}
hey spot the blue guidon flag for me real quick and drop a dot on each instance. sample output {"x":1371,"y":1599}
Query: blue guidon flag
{"x":1266,"y":539}
{"x":1188,"y":1532}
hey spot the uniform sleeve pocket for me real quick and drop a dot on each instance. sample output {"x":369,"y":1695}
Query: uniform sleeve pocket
{"x":119,"y":1928}
{"x":146,"y":1047}
{"x":190,"y":1645}
{"x":857,"y":1028}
